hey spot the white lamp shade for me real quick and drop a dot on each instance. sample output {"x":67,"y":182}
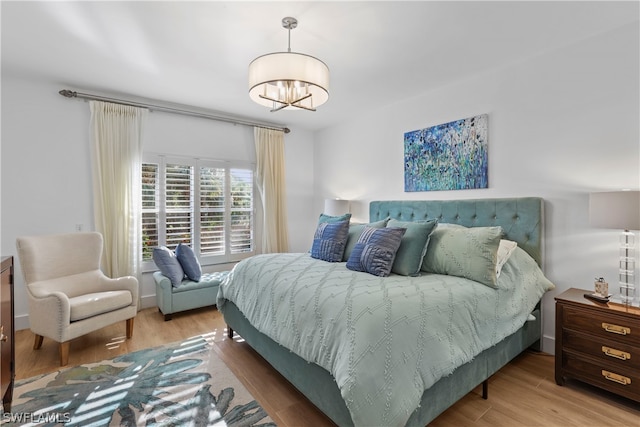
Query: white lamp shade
{"x":615,"y":209}
{"x":335,"y":207}
{"x":268,"y":71}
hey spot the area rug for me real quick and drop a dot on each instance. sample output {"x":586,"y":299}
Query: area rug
{"x":180,"y":384}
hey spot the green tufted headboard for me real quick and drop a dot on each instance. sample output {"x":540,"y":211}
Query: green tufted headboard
{"x":522,"y":218}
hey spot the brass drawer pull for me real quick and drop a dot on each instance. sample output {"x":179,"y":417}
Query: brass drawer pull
{"x":616,"y":378}
{"x":620,"y":330}
{"x":618,"y":354}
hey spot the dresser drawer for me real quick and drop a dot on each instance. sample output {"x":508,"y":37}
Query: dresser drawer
{"x":620,"y":355}
{"x":605,"y":325}
{"x":622,"y":382}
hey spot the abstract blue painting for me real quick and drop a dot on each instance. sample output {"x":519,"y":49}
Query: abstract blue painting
{"x":450,"y":156}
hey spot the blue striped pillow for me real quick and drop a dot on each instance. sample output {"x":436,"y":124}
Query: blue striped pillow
{"x":330,"y":240}
{"x":376,"y":250}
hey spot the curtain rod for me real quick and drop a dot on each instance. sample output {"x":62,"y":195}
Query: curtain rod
{"x":73,"y":94}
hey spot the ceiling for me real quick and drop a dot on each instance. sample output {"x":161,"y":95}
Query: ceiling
{"x":197,"y":53}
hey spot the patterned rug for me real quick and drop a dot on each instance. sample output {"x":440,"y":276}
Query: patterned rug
{"x":180,"y":384}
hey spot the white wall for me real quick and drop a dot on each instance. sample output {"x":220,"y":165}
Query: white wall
{"x":46,"y":175}
{"x":561,"y":125}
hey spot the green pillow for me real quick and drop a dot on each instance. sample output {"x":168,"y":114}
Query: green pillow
{"x":464,"y":252}
{"x":413,"y":245}
{"x":355,"y":230}
{"x":329,"y":218}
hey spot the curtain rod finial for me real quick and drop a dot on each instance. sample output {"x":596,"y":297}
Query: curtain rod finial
{"x":286,"y":130}
{"x":68,"y":93}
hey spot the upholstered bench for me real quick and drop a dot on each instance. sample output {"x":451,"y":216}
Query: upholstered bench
{"x":189,"y":295}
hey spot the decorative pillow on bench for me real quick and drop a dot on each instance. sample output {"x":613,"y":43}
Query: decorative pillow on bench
{"x":179,"y":264}
{"x":189,"y":262}
{"x":168,"y":264}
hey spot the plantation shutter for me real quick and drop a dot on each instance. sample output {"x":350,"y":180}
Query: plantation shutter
{"x":212,"y":209}
{"x":150,"y":208}
{"x":241,"y":211}
{"x":179,"y":204}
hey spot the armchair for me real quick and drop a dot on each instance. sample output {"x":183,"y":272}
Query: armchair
{"x":68,"y":294}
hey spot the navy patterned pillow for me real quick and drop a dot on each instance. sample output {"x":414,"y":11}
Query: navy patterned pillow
{"x":376,"y":250}
{"x":330,"y":240}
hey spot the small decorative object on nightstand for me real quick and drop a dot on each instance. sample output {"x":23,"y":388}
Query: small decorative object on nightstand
{"x":598,"y":343}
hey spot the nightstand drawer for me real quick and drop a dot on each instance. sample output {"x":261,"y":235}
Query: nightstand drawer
{"x":620,"y":355}
{"x":623,"y":382}
{"x":608,"y":326}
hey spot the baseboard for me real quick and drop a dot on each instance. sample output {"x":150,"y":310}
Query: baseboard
{"x":21,"y":322}
{"x":148,"y":301}
{"x":548,"y":344}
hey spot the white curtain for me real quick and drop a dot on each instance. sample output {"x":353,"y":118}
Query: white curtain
{"x":116,"y":132}
{"x":270,"y":176}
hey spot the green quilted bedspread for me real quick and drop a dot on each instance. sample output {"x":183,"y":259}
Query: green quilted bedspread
{"x":384,"y":339}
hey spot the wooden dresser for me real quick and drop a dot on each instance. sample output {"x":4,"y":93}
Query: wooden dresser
{"x":7,"y":329}
{"x":7,"y":344}
{"x":598,"y":343}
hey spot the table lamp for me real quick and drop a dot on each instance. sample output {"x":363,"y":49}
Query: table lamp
{"x":621,"y":210}
{"x":335,"y":207}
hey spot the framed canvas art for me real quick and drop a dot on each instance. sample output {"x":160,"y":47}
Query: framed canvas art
{"x":450,"y":156}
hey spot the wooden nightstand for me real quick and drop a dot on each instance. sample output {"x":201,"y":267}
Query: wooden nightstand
{"x":598,"y":343}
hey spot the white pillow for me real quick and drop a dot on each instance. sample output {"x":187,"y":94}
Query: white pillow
{"x":505,"y":250}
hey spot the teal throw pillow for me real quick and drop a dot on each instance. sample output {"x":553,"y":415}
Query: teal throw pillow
{"x":330,"y":218}
{"x":355,"y":230}
{"x":413,"y":245}
{"x":189,"y":262}
{"x":330,"y":240}
{"x":168,"y":264}
{"x":376,"y":250}
{"x":464,"y":252}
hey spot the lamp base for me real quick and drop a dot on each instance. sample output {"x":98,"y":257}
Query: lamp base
{"x":626,"y":275}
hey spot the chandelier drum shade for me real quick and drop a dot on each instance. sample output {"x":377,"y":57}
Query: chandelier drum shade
{"x":288,"y":80}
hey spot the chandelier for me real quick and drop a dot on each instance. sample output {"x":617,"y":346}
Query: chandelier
{"x":288,"y":80}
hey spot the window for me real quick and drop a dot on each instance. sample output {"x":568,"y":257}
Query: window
{"x":205,"y":204}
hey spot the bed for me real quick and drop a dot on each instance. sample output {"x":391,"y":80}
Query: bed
{"x":402,"y":390}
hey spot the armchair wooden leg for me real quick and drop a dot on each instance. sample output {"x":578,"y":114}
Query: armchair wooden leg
{"x":37,"y":343}
{"x":64,"y":353}
{"x":130,"y":328}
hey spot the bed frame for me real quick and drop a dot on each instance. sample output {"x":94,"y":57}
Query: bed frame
{"x":522,"y":219}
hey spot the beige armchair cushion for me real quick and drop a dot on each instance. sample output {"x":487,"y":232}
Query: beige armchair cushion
{"x":89,"y":305}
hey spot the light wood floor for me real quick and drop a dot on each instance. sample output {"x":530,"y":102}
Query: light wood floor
{"x":523,"y":393}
